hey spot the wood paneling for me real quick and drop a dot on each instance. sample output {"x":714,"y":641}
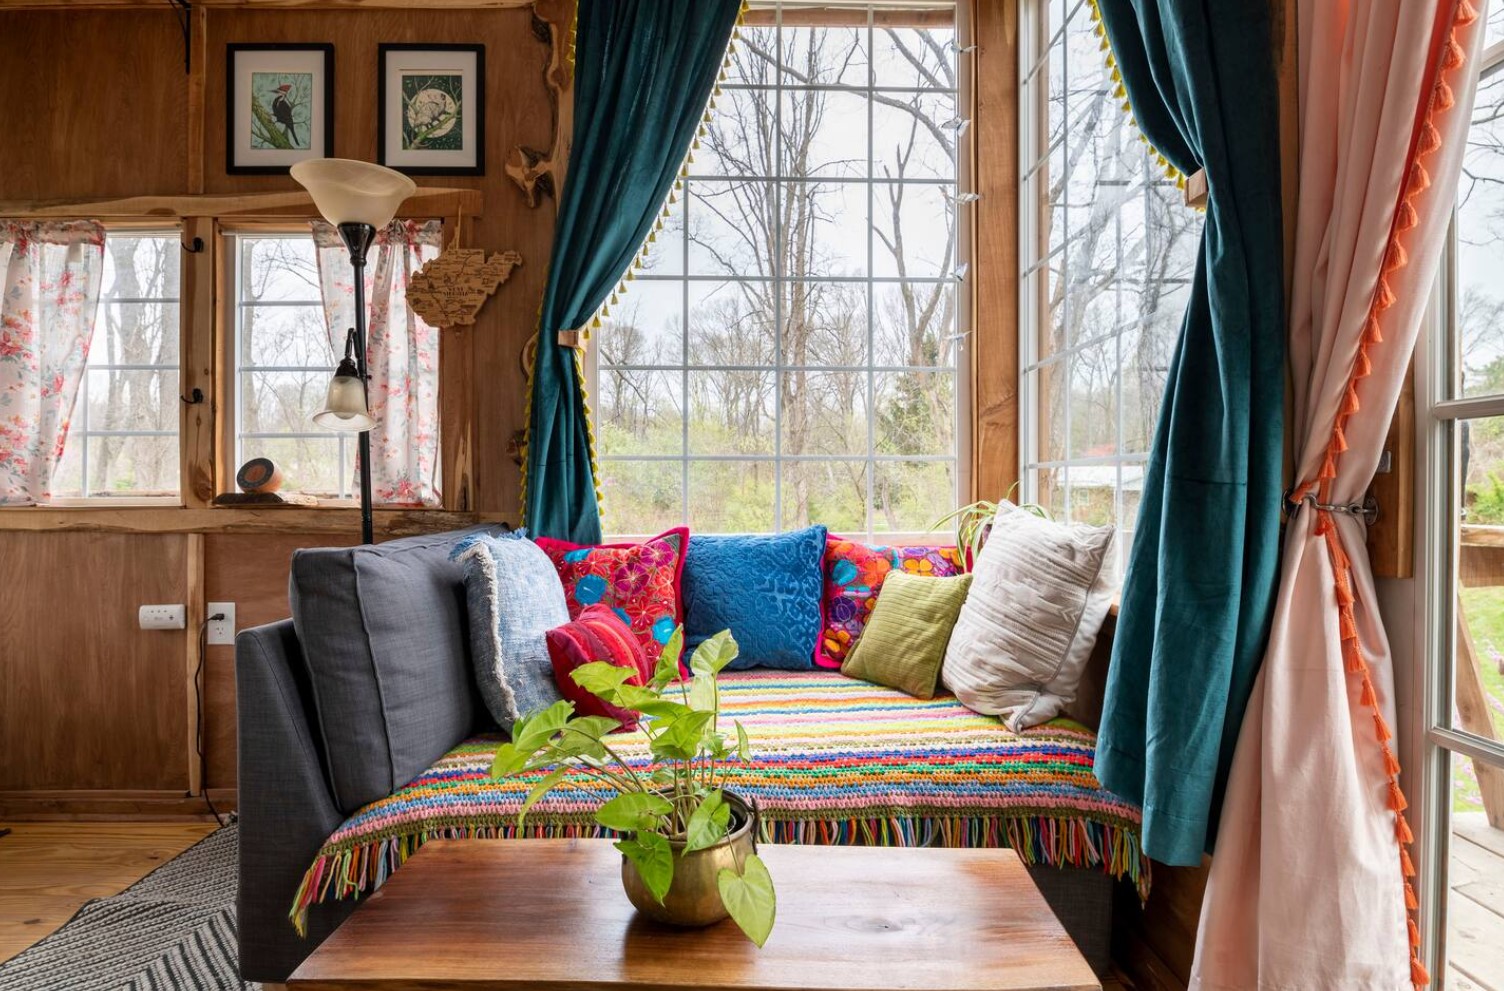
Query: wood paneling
{"x":89,"y":700}
{"x":517,"y":113}
{"x":94,"y":104}
{"x":994,"y":268}
{"x":250,"y":571}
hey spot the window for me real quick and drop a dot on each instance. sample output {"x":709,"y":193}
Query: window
{"x":1464,"y":730}
{"x":790,"y":353}
{"x":123,"y":437}
{"x":1108,"y":253}
{"x":284,"y":359}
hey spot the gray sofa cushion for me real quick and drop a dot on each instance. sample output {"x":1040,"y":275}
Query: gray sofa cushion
{"x":386,"y":643}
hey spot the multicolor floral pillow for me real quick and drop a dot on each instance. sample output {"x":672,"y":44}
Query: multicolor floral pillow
{"x":639,"y":582}
{"x":854,"y":575}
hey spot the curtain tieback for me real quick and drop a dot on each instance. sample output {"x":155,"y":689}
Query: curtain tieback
{"x":1368,"y":509}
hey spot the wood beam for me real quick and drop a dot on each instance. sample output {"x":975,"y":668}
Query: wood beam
{"x":321,"y":520}
{"x":426,"y":202}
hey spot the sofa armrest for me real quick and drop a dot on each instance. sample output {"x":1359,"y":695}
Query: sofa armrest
{"x":286,"y":807}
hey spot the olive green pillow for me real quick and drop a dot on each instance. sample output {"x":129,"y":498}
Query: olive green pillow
{"x":904,"y":642}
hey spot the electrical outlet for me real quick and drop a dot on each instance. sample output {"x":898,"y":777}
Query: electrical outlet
{"x":163,"y":617}
{"x":222,"y":630}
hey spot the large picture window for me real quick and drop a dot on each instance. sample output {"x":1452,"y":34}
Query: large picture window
{"x":790,"y":353}
{"x":123,"y":436}
{"x":1109,"y":253}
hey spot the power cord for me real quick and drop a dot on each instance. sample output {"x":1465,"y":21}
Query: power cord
{"x":198,"y":733}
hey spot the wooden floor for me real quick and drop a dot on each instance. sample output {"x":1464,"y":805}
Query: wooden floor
{"x":49,"y":869}
{"x":1475,"y":912}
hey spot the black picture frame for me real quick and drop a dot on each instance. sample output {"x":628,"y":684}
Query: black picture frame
{"x":235,"y":164}
{"x":402,"y":160}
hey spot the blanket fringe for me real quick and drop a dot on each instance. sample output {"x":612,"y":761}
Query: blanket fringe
{"x":356,"y":870}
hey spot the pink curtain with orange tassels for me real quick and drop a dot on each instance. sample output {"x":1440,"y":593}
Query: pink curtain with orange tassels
{"x":1311,"y":884}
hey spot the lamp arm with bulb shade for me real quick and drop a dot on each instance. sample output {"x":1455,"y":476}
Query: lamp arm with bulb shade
{"x":359,"y":199}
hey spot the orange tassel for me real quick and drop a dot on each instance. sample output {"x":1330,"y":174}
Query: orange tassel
{"x":1339,"y":439}
{"x":1452,"y":56}
{"x":1391,"y":764}
{"x":1407,"y":868}
{"x":1395,"y":258}
{"x":1353,"y":656}
{"x":1466,"y":13}
{"x":1328,"y":468}
{"x":1362,"y":365}
{"x":1430,"y":138}
{"x":1344,"y":594}
{"x":1397,"y":801}
{"x":1418,"y":975}
{"x":1381,"y":728}
{"x":1367,"y":698}
{"x":1414,"y":932}
{"x":1420,"y":179}
{"x":1402,"y":830}
{"x":1411,"y":902}
{"x":1406,"y":219}
{"x":1383,"y":297}
{"x":1345,"y":624}
{"x":1444,"y":98}
{"x":1350,"y":397}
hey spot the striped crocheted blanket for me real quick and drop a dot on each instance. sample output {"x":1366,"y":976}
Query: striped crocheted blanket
{"x":836,"y":761}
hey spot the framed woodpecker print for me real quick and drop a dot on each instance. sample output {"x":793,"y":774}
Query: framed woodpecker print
{"x":279,"y":106}
{"x":431,"y":109}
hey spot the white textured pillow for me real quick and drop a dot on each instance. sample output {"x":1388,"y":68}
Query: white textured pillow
{"x":1039,"y":593}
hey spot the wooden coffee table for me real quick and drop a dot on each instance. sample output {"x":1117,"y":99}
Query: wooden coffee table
{"x":550,"y":915}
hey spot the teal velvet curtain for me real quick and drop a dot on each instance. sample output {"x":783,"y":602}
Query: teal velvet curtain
{"x":1199,"y":590}
{"x":644,"y":71}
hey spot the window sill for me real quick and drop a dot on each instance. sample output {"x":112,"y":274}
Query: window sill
{"x":335,"y":520}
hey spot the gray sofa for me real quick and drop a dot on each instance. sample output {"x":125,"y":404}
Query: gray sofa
{"x":388,"y":692}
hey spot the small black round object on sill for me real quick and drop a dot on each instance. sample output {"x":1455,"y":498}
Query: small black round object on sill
{"x":259,"y":475}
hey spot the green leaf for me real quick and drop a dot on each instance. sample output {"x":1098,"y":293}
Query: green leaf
{"x":582,"y":737}
{"x":707,"y":825}
{"x":653,"y":858}
{"x":532,"y":731}
{"x":743,"y":745}
{"x":715,"y":745}
{"x":749,"y":898}
{"x":601,"y":679}
{"x":714,"y":654}
{"x":539,"y":790}
{"x":648,"y":702}
{"x":680,"y":738}
{"x":702,"y":695}
{"x":668,"y":659}
{"x":508,"y":760}
{"x":633,"y":811}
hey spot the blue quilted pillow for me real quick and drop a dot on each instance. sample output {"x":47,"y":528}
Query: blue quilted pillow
{"x":765,"y":589}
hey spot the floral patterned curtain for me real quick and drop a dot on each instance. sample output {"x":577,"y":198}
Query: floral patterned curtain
{"x":50,"y":274}
{"x":402,"y":354}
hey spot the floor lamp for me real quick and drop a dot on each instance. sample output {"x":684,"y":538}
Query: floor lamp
{"x":359,"y":199}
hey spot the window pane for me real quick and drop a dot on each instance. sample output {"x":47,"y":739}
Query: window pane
{"x":913,"y":225}
{"x":911,"y":496}
{"x":280,"y":402}
{"x":312,"y":465}
{"x":123,"y":435}
{"x":824,"y":323}
{"x":1479,"y":312}
{"x":1478,"y":671}
{"x":1094,"y":401}
{"x":731,"y":412}
{"x":741,"y":140}
{"x":824,"y":230}
{"x":830,"y":492}
{"x":286,"y":336}
{"x":830,"y":56}
{"x":277,"y":269}
{"x":640,"y":412}
{"x":666,"y":251}
{"x":913,"y":57}
{"x":912,"y":138}
{"x":915,"y":413}
{"x":824,"y":134}
{"x":731,"y":496}
{"x":915,"y":324}
{"x":755,"y":57}
{"x":731,"y":227}
{"x":732,"y":323}
{"x":824,"y":413}
{"x":647,"y":326}
{"x":643,"y":497}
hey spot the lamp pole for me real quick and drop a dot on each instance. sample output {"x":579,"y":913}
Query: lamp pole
{"x":358,"y":239}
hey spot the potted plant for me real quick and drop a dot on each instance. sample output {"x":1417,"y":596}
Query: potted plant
{"x":689,"y":851}
{"x":974,"y":522}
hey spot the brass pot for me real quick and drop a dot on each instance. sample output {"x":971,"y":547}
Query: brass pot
{"x":693,"y":898}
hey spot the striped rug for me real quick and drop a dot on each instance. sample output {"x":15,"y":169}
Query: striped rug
{"x":835,"y":761}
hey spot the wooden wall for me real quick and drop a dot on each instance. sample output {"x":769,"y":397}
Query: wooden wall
{"x":96,"y":715}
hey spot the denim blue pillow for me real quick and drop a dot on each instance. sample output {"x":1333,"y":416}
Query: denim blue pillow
{"x":765,"y":590}
{"x":514,"y":597}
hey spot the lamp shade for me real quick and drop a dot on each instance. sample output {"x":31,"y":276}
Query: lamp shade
{"x":345,"y":407}
{"x":350,"y":192}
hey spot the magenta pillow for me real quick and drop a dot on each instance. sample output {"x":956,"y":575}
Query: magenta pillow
{"x":854,"y":574}
{"x":641,"y":583}
{"x":597,"y":635}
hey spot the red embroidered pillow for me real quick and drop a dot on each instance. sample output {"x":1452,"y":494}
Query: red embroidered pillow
{"x":639,"y":582}
{"x":597,"y":635}
{"x":854,"y":575}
